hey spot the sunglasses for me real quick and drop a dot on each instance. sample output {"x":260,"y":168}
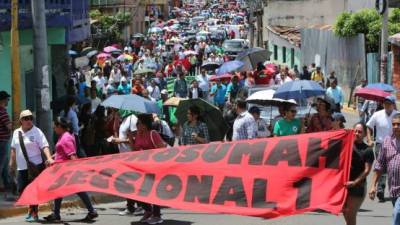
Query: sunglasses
{"x":27,"y":118}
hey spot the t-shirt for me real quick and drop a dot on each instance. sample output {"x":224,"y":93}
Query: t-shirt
{"x":148,"y":140}
{"x":362,"y":154}
{"x":65,"y":147}
{"x":4,"y":121}
{"x":34,"y":141}
{"x":127,"y":125}
{"x":262,"y":128}
{"x":284,"y":127}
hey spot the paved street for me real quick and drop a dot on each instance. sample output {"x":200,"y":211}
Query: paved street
{"x":371,"y":213}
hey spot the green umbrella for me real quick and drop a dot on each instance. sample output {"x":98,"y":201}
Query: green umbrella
{"x":143,"y":71}
{"x":210,"y":114}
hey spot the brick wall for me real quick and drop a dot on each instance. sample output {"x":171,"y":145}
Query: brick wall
{"x":396,"y":69}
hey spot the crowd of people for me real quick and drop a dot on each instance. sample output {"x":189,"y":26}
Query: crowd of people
{"x":86,"y":128}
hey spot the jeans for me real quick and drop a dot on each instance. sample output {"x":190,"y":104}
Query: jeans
{"x":82,"y":195}
{"x":23,"y":182}
{"x":396,"y":211}
{"x":382,"y":178}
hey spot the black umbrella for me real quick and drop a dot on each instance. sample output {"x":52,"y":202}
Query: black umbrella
{"x":252,"y":56}
{"x":210,"y":115}
{"x":210,"y":66}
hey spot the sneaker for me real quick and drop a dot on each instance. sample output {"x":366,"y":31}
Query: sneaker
{"x":138,"y":211}
{"x":145,"y":217}
{"x":126,"y":212}
{"x":154,"y":220}
{"x":31,"y":218}
{"x":90,"y":216}
{"x":52,"y":218}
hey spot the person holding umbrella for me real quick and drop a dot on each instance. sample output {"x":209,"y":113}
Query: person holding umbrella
{"x":289,"y":125}
{"x":194,"y":131}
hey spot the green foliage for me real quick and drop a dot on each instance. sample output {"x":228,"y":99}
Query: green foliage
{"x":109,"y":26}
{"x":367,"y":22}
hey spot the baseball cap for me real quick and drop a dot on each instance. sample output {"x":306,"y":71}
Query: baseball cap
{"x":25,"y":113}
{"x":338,"y":116}
{"x":391,"y":99}
{"x":4,"y":95}
{"x":254,"y":109}
{"x":164,"y":92}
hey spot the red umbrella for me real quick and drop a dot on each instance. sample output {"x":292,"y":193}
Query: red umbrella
{"x":372,"y":94}
{"x":223,"y":77}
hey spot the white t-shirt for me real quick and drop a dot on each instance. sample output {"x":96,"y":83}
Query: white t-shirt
{"x":383,"y":124}
{"x":154,"y":92}
{"x":100,"y":81}
{"x":195,"y":93}
{"x":262,"y":129}
{"x":127,"y":125}
{"x":34,"y":141}
{"x":204,"y":84}
{"x":95,"y":103}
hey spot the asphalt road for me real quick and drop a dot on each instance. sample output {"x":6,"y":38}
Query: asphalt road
{"x":371,"y":213}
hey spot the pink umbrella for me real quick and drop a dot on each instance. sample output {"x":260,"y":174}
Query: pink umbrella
{"x":109,"y":49}
{"x":372,"y":94}
{"x":103,"y":55}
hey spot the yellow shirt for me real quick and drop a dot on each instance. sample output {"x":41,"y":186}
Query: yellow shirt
{"x":318,"y":77}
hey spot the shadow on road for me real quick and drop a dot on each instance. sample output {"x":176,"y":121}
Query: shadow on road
{"x":167,"y":222}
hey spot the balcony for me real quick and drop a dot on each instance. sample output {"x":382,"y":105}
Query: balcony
{"x":71,"y":14}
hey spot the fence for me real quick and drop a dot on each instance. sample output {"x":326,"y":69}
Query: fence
{"x":373,"y":68}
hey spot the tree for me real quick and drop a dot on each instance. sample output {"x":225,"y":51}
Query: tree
{"x":109,"y":26}
{"x":367,"y":22}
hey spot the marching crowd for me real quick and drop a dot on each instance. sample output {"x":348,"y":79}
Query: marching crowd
{"x":84,"y":127}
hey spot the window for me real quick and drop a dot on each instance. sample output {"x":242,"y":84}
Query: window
{"x":284,"y":54}
{"x":275,"y":52}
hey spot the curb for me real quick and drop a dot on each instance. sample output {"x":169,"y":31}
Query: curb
{"x":75,"y":203}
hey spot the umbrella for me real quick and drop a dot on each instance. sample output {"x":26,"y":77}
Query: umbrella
{"x":266,"y":97}
{"x":190,"y":52}
{"x":299,"y":89}
{"x":230,"y":66}
{"x":372,"y":94}
{"x":155,"y":30}
{"x":124,"y":57}
{"x":131,"y":102}
{"x":92,"y":53}
{"x":86,"y":50}
{"x":138,"y":35}
{"x":143,"y":71}
{"x":381,"y":86}
{"x":210,"y":66}
{"x":109,"y":49}
{"x":173,"y":101}
{"x":224,"y":77}
{"x":210,"y":114}
{"x":252,"y":56}
{"x":103,"y":55}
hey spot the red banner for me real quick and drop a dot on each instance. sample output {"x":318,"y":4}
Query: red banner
{"x":264,"y":177}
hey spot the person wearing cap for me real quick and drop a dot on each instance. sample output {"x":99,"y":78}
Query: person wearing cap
{"x":35,"y":145}
{"x":5,"y":128}
{"x":320,"y":121}
{"x":381,"y":121}
{"x":338,"y":121}
{"x":262,"y":127}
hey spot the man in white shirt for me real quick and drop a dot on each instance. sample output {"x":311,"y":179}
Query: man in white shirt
{"x":154,"y":90}
{"x":245,"y":126}
{"x":381,"y":121}
{"x":204,"y":84}
{"x":100,"y":80}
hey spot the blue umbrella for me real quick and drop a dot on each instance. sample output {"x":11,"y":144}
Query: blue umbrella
{"x":299,"y":89}
{"x":381,"y":86}
{"x":230,"y":66}
{"x":131,"y":102}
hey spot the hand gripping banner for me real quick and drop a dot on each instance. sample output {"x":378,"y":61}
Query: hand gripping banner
{"x":266,"y":178}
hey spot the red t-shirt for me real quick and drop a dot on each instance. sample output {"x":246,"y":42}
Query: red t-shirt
{"x":143,"y":141}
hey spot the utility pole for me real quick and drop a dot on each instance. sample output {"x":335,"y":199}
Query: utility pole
{"x":41,"y":68}
{"x":15,"y":68}
{"x":384,"y":42}
{"x":251,"y":22}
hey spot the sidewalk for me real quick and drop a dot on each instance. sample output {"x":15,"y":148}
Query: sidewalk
{"x":8,"y":209}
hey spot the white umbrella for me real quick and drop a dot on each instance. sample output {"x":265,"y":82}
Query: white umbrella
{"x":266,"y":97}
